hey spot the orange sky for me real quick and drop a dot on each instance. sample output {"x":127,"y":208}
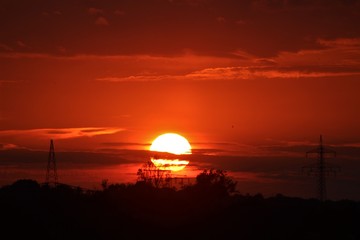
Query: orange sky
{"x":239,"y":79}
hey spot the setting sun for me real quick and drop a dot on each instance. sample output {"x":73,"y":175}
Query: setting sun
{"x":170,"y":143}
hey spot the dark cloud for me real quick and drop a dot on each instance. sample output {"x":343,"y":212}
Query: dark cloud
{"x":124,"y":144}
{"x":101,"y":21}
{"x":95,"y":11}
{"x":262,"y":28}
{"x":31,"y":159}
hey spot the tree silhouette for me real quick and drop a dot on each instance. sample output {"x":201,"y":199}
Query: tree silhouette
{"x":154,"y":176}
{"x":212,"y":183}
{"x":204,"y":210}
{"x":216,"y":179}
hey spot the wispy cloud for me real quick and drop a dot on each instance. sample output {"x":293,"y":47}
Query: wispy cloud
{"x":101,"y":21}
{"x":335,"y":58}
{"x":62,"y":133}
{"x":7,"y":146}
{"x":82,"y":57}
{"x":95,"y":11}
{"x":2,"y":82}
{"x":5,"y":47}
{"x":340,"y":42}
{"x":230,"y":73}
{"x":122,"y":144}
{"x":119,"y":12}
{"x":21,"y":55}
{"x":355,"y":144}
{"x":233,"y":73}
{"x":139,"y":78}
{"x":21,"y":44}
{"x":336,"y":53}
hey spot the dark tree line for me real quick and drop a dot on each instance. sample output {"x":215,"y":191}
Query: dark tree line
{"x":208,"y":209}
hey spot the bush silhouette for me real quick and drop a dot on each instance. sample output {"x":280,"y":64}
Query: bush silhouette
{"x":209,"y":209}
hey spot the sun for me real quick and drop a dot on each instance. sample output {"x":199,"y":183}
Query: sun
{"x":171,"y":143}
{"x":174,"y":144}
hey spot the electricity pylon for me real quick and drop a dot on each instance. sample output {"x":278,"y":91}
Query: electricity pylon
{"x":51,"y":172}
{"x":321,"y":169}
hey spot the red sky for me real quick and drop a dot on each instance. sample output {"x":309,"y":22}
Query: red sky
{"x":251,"y":84}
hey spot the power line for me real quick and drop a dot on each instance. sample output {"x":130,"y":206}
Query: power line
{"x":321,"y":169}
{"x":51,"y":172}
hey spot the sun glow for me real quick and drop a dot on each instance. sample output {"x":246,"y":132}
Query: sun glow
{"x":174,"y":144}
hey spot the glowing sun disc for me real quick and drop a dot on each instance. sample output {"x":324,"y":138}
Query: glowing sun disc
{"x":171,"y":143}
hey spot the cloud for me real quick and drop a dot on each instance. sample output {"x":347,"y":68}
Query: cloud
{"x":339,"y":53}
{"x":292,"y":25}
{"x":278,"y":6}
{"x":68,"y":159}
{"x":356,"y":145}
{"x":221,"y":19}
{"x":229,"y":74}
{"x":2,"y":82}
{"x":336,"y":58}
{"x":20,"y":55}
{"x":98,"y":57}
{"x":61,"y":133}
{"x":339,"y":58}
{"x":7,"y":146}
{"x":5,"y":47}
{"x":247,"y":73}
{"x":53,"y":13}
{"x":340,"y":42}
{"x":240,"y":22}
{"x":125,"y":144}
{"x":119,"y":12}
{"x":95,"y":11}
{"x":139,"y":78}
{"x":21,"y":44}
{"x":101,"y":21}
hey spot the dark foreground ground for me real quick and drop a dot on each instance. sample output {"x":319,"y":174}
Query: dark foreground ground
{"x":139,"y":211}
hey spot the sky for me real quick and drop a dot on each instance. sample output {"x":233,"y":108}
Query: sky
{"x":251,"y":84}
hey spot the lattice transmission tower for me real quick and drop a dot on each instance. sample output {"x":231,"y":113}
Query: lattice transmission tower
{"x":321,"y":169}
{"x":51,"y":172}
